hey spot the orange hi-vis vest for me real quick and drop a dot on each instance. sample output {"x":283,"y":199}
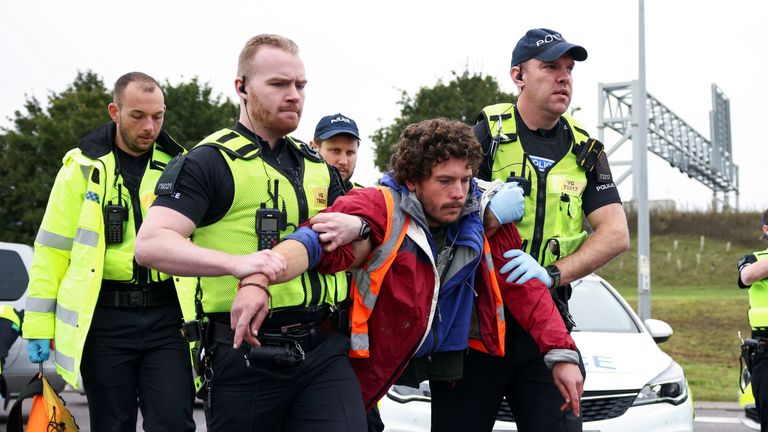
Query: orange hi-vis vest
{"x":367,"y":283}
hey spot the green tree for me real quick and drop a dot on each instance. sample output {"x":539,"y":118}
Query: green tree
{"x":194,"y":113}
{"x":461,"y":99}
{"x":31,"y":149}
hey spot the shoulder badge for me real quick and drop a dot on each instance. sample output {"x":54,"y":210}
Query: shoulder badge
{"x":309,"y":152}
{"x":166,"y":184}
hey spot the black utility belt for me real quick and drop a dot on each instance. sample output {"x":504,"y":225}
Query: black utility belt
{"x":159,"y":294}
{"x":308,"y":335}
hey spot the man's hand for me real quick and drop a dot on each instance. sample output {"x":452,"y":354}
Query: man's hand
{"x":336,"y":229}
{"x":570,"y":383}
{"x":265,"y":262}
{"x":249,"y":309}
{"x":508,"y":204}
{"x":523,"y":268}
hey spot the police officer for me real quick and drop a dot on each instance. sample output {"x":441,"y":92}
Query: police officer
{"x":10,"y":326}
{"x":241,"y":190}
{"x":114,"y":321}
{"x":565,"y":176}
{"x":753,"y":274}
{"x":338,"y":140}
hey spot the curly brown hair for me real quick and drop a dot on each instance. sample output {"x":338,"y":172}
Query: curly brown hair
{"x":427,"y":143}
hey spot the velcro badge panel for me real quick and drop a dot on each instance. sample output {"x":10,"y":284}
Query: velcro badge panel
{"x":166,"y":184}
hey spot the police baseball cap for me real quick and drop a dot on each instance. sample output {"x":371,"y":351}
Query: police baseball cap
{"x":545,"y":45}
{"x":332,"y":125}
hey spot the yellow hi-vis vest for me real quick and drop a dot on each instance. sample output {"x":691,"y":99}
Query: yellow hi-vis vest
{"x":758,"y":298}
{"x":254,"y":180}
{"x":552,"y":221}
{"x":71,"y":256}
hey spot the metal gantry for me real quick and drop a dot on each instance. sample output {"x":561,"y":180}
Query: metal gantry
{"x":674,"y":140}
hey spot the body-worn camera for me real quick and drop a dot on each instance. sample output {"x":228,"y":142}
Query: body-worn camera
{"x":282,"y":352}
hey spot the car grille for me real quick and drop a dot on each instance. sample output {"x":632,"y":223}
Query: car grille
{"x":594,"y":406}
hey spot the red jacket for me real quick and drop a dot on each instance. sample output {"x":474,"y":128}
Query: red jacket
{"x":403,"y":308}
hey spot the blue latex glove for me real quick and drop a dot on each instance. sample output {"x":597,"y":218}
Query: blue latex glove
{"x":508,"y":204}
{"x":522,"y":268}
{"x":39,"y":350}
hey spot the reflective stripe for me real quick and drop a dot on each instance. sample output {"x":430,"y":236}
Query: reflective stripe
{"x":367,"y":280}
{"x":359,"y":341}
{"x":87,"y":237}
{"x":47,"y":238}
{"x":500,"y":313}
{"x":67,"y":316}
{"x":86,"y":170}
{"x":489,"y":262}
{"x":41,"y":305}
{"x":64,"y":361}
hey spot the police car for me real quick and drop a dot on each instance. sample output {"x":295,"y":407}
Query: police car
{"x":15,"y":260}
{"x":631,"y":384}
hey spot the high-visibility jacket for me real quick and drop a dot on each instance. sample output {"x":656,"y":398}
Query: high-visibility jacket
{"x":298,"y":200}
{"x":553,"y":215}
{"x":758,"y":298}
{"x":71,"y":256}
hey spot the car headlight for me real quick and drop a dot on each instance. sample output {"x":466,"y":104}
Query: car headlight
{"x":403,"y":394}
{"x":669,"y":386}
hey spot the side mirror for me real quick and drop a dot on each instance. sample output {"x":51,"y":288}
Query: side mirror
{"x":659,"y":330}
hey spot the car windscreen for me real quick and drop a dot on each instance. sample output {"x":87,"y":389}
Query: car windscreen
{"x":596,"y":309}
{"x":13,"y":275}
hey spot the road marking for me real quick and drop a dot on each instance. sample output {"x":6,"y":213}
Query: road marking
{"x":722,"y":420}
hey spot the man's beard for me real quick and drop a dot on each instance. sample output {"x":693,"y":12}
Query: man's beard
{"x":271,"y":121}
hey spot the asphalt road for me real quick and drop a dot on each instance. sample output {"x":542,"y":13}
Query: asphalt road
{"x":710,"y":416}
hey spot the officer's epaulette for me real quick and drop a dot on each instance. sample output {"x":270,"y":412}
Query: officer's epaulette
{"x":308,"y":151}
{"x":166,"y":184}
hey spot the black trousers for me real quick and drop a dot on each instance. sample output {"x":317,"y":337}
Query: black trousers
{"x":136,"y":358}
{"x":759,"y":376}
{"x":321,"y":394}
{"x":471,"y":403}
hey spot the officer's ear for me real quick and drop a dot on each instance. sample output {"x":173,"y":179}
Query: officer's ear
{"x":517,"y":75}
{"x":314,"y":145}
{"x":114,"y":111}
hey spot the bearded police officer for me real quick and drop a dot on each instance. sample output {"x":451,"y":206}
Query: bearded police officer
{"x":240,"y":191}
{"x":112,"y":320}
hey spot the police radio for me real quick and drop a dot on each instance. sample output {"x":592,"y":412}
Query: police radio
{"x":270,"y":222}
{"x":524,"y":183}
{"x":115,"y":216}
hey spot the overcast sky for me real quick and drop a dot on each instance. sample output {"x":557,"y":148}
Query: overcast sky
{"x":359,"y":55}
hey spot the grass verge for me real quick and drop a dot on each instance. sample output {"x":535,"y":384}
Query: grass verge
{"x":705,"y":342}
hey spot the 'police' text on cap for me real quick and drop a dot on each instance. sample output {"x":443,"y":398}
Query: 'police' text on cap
{"x":335,"y":124}
{"x":545,"y":45}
